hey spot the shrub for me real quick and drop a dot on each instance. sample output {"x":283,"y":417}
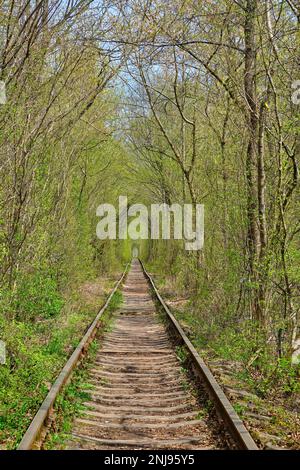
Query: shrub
{"x":37,"y":296}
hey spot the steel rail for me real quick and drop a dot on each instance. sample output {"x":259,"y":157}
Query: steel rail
{"x":39,"y":422}
{"x":225,"y":410}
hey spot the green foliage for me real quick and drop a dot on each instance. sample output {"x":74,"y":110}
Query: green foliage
{"x":245,"y":344}
{"x":37,"y":296}
{"x":116,"y":300}
{"x":36,"y":352}
{"x":24,"y":379}
{"x":272,"y":378}
{"x":189,"y":139}
{"x":181,"y":353}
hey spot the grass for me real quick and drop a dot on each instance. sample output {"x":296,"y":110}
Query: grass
{"x":274,"y":382}
{"x":71,"y":402}
{"x":265,"y":376}
{"x":36,"y":352}
{"x":181,"y":353}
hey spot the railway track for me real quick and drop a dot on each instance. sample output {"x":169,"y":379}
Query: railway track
{"x":140,"y":396}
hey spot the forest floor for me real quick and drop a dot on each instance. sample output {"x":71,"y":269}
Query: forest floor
{"x":270,"y":410}
{"x":37,"y":352}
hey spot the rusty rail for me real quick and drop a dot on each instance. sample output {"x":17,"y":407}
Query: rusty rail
{"x":225,"y":410}
{"x":39,"y":422}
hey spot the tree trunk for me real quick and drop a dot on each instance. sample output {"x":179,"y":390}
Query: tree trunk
{"x":251,"y":157}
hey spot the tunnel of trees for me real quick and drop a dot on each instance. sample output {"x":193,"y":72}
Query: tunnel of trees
{"x":182,"y":101}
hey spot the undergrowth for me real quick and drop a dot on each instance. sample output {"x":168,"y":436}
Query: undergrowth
{"x":70,"y":403}
{"x":234,"y":339}
{"x":37,"y":347}
{"x":265,"y":374}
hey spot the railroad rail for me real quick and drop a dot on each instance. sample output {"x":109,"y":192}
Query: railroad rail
{"x":140,"y":396}
{"x":40,"y":423}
